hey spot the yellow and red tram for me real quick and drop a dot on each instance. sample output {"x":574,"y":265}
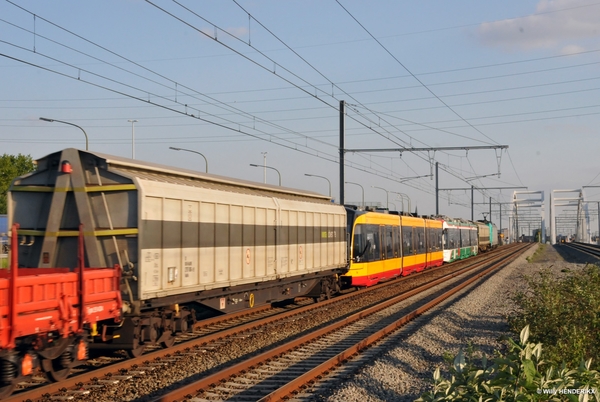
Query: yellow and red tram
{"x":386,"y":245}
{"x":375,"y":247}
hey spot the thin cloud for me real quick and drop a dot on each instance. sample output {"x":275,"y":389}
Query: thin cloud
{"x":556,"y":23}
{"x":572,"y":49}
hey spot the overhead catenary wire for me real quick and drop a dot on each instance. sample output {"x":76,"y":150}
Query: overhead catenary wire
{"x":242,"y":55}
{"x":215,"y":114}
{"x":264,"y":55}
{"x":368,"y":126}
{"x":295,"y":144}
{"x":130,"y":61}
{"x":318,"y":154}
{"x":333,"y":84}
{"x":249,"y":15}
{"x":413,"y":99}
{"x":414,"y":76}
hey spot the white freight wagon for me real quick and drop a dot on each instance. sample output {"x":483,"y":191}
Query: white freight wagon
{"x":185,"y":240}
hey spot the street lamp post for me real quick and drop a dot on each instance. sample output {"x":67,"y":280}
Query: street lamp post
{"x":196,"y":152}
{"x":402,"y":195}
{"x":268,"y":167}
{"x":408,"y":199}
{"x":264,"y":154}
{"x":322,"y":177}
{"x":362,"y":188}
{"x":387,"y":196}
{"x":401,"y":199}
{"x":132,"y":138}
{"x":70,"y":124}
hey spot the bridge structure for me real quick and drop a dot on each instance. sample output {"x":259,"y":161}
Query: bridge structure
{"x":527,"y":216}
{"x":592,"y":231}
{"x":573,"y":219}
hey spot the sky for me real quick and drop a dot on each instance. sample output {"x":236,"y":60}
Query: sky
{"x":502,"y":96}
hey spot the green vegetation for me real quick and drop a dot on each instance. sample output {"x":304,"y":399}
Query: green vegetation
{"x":563,"y":314}
{"x":537,"y":253}
{"x":518,"y":375}
{"x":12,"y":166}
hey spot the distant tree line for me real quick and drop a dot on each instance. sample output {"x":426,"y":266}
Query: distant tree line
{"x":12,"y":166}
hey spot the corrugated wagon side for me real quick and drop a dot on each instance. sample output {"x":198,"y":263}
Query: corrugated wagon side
{"x":206,"y":237}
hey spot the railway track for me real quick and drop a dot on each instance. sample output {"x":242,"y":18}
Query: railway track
{"x":278,"y":373}
{"x":589,"y":249}
{"x":214,"y":340}
{"x":111,"y":364}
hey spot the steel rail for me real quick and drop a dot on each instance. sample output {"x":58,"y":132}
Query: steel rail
{"x":223,"y":375}
{"x":74,"y":381}
{"x":589,"y":249}
{"x":338,"y":360}
{"x":39,"y":391}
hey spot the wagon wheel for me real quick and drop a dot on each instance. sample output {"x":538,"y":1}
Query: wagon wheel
{"x":58,"y":369}
{"x":168,"y":341}
{"x":137,"y":349}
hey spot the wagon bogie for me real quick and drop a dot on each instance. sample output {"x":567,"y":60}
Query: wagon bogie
{"x":58,"y":367}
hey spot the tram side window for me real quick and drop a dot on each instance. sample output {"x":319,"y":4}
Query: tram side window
{"x":366,"y":243}
{"x":374,"y":250}
{"x":421,"y":246}
{"x":430,"y":239}
{"x":446,"y":239}
{"x":434,"y":239}
{"x":473,"y":237}
{"x":407,"y":241}
{"x":397,"y":242}
{"x":466,"y":237}
{"x":358,"y":241}
{"x":452,"y":239}
{"x":389,"y":242}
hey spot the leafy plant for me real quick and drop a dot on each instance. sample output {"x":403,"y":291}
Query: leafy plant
{"x":518,"y":375}
{"x":563,"y":314}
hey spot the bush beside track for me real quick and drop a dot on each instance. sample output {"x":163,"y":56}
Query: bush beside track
{"x":520,"y":374}
{"x":563,"y":314}
{"x":562,"y":319}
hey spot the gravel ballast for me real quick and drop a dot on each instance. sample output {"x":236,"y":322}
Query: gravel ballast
{"x":402,"y":368}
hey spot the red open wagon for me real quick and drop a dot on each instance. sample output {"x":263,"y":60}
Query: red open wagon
{"x":42,"y":322}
